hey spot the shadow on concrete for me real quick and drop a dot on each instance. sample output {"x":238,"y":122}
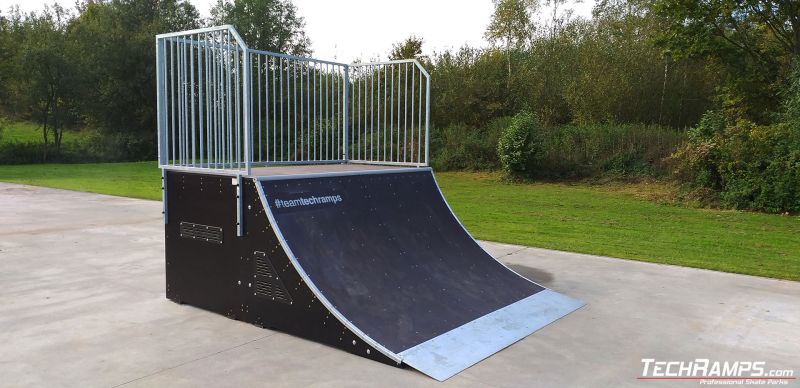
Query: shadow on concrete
{"x":537,"y":275}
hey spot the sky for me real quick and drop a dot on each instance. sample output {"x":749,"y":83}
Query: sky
{"x":346,"y":30}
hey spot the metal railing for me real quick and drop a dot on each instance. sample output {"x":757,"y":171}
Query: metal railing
{"x":389,"y":113}
{"x":223,"y":106}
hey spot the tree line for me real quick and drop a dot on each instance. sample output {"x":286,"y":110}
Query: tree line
{"x":643,"y":87}
{"x":94,"y":66}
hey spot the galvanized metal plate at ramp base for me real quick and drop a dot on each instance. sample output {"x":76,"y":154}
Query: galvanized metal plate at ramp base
{"x":446,"y":355}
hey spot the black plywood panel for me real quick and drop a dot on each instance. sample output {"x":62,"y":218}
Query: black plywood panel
{"x":386,"y":251}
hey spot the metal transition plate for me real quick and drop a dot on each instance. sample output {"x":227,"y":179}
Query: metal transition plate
{"x":458,"y":349}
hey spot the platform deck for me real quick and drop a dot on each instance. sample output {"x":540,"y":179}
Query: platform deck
{"x":317,"y":168}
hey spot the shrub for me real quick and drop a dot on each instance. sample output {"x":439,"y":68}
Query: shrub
{"x":461,"y":147}
{"x":519,"y":147}
{"x":743,"y":165}
{"x":630,"y":150}
{"x":3,"y":125}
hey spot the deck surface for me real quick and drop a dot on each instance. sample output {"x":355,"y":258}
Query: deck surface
{"x":318,"y":168}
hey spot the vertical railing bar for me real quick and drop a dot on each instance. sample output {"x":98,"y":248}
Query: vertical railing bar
{"x":184,"y":105}
{"x":385,"y":108}
{"x":366,"y":84}
{"x":427,"y":117}
{"x":266,"y":143}
{"x":302,"y":143}
{"x":337,"y":109}
{"x":274,"y":114}
{"x":288,"y":113}
{"x":328,"y":127}
{"x":371,"y":112}
{"x":161,"y":96}
{"x":191,"y":90}
{"x":399,"y":103}
{"x":391,"y":118}
{"x":248,"y":117}
{"x":179,"y":141}
{"x":238,"y":101}
{"x":221,"y":117}
{"x":419,"y":122}
{"x":378,"y":114}
{"x":213,"y":88}
{"x":200,"y":101}
{"x":294,"y":104}
{"x":321,"y":112}
{"x":345,"y":114}
{"x":172,"y":100}
{"x":281,"y":73}
{"x":413,"y":74}
{"x":229,"y":110}
{"x":405,"y":113}
{"x":258,"y":65}
{"x":313,"y":113}
{"x":207,"y":103}
{"x":357,"y":112}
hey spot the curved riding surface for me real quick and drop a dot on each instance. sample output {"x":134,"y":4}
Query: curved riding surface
{"x":385,"y":252}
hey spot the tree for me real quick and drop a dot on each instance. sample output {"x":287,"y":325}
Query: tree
{"x":272,"y":25}
{"x":113,"y":44}
{"x":49,"y":73}
{"x":407,"y":49}
{"x":511,"y":25}
{"x":753,"y":42}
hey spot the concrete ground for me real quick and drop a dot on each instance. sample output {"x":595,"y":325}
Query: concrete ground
{"x":82,"y":304}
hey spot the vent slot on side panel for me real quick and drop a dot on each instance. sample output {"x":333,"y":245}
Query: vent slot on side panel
{"x":212,"y":234}
{"x":267,"y":283}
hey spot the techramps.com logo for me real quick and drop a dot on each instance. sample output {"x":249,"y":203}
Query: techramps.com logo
{"x":307,"y":201}
{"x":708,"y":372}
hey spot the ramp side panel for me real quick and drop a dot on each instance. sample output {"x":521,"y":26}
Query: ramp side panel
{"x":389,"y":255}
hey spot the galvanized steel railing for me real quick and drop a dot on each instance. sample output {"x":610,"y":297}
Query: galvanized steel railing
{"x":223,"y":106}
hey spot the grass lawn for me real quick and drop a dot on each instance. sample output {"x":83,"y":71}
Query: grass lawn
{"x":26,"y":131}
{"x":610,"y":220}
{"x":137,"y":180}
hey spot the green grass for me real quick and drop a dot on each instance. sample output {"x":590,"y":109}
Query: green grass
{"x":608,"y":220}
{"x":26,"y":131}
{"x":137,"y":180}
{"x":614,"y":222}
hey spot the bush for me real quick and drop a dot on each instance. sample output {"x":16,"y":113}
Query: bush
{"x":629,"y":151}
{"x":742,"y":165}
{"x":3,"y":125}
{"x":90,"y":147}
{"x":461,"y":147}
{"x":519,"y":147}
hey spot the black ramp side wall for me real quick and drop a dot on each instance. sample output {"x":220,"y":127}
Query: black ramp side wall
{"x":386,"y":251}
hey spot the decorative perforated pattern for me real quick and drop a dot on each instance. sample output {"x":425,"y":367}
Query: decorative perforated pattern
{"x":267,"y":282}
{"x":212,"y":234}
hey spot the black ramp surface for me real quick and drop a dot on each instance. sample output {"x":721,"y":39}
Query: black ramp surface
{"x":387,"y":252}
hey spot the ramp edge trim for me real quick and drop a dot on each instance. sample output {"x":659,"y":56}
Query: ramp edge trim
{"x":325,"y":302}
{"x":446,"y":355}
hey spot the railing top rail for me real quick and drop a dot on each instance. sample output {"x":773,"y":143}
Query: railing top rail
{"x":224,"y":27}
{"x":296,"y":57}
{"x":394,"y":62}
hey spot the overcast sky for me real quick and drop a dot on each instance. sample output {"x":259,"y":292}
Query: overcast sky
{"x":348,"y":29}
